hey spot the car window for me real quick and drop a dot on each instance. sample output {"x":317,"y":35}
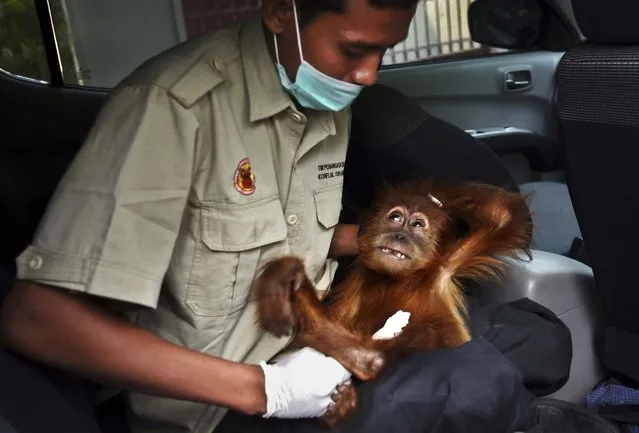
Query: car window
{"x":100,"y":42}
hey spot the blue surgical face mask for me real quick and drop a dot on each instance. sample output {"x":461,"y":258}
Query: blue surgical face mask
{"x":313,"y":89}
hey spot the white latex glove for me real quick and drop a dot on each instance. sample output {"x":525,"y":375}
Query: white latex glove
{"x":393,"y":326}
{"x":300,"y":385}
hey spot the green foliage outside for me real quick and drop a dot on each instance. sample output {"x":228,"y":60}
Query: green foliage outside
{"x":21,"y":48}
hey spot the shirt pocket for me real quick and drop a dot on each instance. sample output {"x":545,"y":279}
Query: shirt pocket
{"x":233,"y":237}
{"x":328,"y":206}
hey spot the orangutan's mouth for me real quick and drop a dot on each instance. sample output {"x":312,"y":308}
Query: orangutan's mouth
{"x":395,"y":253}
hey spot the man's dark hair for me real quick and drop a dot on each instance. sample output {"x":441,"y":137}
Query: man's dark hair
{"x":310,"y":9}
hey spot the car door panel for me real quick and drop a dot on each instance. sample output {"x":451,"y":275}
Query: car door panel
{"x":473,"y":95}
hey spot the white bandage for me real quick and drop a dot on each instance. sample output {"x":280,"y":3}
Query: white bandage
{"x":393,"y":326}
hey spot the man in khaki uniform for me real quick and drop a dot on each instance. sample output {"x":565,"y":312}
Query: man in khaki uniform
{"x":207,"y":161}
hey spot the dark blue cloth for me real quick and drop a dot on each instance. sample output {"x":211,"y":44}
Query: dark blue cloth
{"x":473,"y":388}
{"x":5,"y":427}
{"x":611,"y":395}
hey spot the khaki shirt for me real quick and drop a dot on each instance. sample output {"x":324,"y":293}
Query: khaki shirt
{"x":198,"y":170}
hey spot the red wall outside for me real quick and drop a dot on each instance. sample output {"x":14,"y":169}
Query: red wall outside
{"x":201,"y":16}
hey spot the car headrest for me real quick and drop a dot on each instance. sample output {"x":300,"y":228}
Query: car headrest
{"x":396,"y":138}
{"x":608,"y":22}
{"x":385,"y":116}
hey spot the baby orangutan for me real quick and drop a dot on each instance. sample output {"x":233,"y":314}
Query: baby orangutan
{"x":412,"y":257}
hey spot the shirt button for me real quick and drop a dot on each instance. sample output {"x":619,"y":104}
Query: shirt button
{"x":297,"y":117}
{"x":35,"y":263}
{"x":292,"y":219}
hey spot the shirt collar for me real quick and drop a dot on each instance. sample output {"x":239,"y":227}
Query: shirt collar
{"x":266,"y":95}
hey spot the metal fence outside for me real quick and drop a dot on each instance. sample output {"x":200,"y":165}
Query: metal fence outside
{"x":440,"y":28}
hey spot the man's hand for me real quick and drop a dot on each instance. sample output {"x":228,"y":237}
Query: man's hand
{"x":344,"y":242}
{"x":300,"y":385}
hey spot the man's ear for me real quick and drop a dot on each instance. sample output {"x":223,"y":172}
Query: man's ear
{"x":277,"y":14}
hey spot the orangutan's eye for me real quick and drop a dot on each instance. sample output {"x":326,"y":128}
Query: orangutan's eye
{"x":396,"y":217}
{"x":418,"y":223}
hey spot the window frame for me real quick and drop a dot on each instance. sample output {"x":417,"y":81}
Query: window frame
{"x":50,"y":42}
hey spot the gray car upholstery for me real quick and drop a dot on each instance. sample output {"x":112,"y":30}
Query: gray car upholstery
{"x":566,"y":287}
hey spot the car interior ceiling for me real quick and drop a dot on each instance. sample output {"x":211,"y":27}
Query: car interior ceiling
{"x":594,"y":107}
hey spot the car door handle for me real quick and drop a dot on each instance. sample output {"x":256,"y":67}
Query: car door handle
{"x":517,"y":80}
{"x":498,"y":131}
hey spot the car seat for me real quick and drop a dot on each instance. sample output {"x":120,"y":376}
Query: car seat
{"x":597,"y":102}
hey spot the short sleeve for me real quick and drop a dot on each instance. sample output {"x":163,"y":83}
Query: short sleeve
{"x":111,"y":225}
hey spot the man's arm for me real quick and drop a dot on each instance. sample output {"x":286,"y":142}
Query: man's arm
{"x":108,"y":233}
{"x":72,"y":333}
